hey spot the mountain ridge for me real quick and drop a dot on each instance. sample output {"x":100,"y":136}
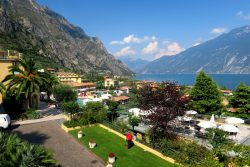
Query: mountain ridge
{"x":41,"y":33}
{"x":228,"y":53}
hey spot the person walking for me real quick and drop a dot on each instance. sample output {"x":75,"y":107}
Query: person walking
{"x":129,"y":138}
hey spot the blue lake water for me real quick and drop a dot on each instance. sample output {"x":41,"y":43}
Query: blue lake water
{"x":228,"y":80}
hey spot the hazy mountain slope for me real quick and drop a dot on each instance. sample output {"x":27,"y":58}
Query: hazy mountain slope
{"x":134,"y":64}
{"x":39,"y":32}
{"x":228,"y":53}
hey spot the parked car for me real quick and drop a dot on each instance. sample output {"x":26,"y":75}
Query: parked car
{"x":4,"y":121}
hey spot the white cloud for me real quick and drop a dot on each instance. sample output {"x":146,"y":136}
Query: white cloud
{"x":218,"y":30}
{"x":243,"y":15}
{"x":171,"y":49}
{"x":133,"y":39}
{"x":115,"y":42}
{"x":125,"y":51}
{"x":150,"y":48}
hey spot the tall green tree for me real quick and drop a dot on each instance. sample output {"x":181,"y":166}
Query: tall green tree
{"x":134,"y":121}
{"x":205,"y":95}
{"x":25,"y":78}
{"x":64,"y":93}
{"x":95,"y":112}
{"x":71,"y":108}
{"x":241,"y":98}
{"x":112,"y":109}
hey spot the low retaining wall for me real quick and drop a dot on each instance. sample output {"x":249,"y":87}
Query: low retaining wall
{"x":157,"y":153}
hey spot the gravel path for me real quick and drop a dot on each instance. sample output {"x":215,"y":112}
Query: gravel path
{"x":66,"y":149}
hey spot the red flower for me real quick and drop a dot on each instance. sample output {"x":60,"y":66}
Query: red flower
{"x":111,"y":155}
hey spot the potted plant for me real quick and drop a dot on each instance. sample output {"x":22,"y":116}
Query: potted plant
{"x":111,"y":157}
{"x":79,"y":134}
{"x":92,"y":143}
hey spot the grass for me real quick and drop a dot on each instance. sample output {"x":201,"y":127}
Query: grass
{"x":109,"y":142}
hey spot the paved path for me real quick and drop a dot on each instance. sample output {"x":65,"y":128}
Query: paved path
{"x":66,"y":149}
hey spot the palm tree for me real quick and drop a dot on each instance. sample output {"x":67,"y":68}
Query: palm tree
{"x":51,"y":81}
{"x":25,"y":78}
{"x":16,"y":152}
{"x":2,"y":88}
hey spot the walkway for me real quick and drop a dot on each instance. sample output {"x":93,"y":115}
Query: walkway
{"x":66,"y":149}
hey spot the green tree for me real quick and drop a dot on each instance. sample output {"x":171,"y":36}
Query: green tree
{"x":241,"y":98}
{"x":70,"y":108}
{"x":95,"y":112}
{"x":192,"y":154}
{"x":16,"y":152}
{"x":25,"y":78}
{"x":64,"y":93}
{"x":50,"y":83}
{"x":205,"y":94}
{"x":112,"y":109}
{"x":134,"y":121}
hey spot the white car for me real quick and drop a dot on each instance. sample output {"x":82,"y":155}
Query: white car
{"x":4,"y":121}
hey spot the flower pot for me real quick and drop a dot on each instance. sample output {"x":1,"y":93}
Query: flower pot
{"x":111,"y":160}
{"x":79,"y":135}
{"x":92,"y":144}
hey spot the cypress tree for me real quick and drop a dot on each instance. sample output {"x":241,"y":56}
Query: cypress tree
{"x":205,"y":95}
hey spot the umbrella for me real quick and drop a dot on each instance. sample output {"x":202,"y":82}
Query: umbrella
{"x":212,"y":118}
{"x":191,"y":112}
{"x":135,"y":111}
{"x":207,"y":124}
{"x":234,"y":120}
{"x":229,"y":128}
{"x":187,"y":118}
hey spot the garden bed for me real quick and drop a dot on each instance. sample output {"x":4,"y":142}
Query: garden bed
{"x":108,"y":142}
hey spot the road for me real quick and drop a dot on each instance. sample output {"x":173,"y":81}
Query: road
{"x":67,"y":150}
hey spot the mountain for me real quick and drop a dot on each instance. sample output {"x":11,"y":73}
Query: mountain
{"x":135,"y":64}
{"x":228,"y":53}
{"x":38,"y":32}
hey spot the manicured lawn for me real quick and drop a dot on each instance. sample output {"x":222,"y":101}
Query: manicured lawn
{"x":109,"y":142}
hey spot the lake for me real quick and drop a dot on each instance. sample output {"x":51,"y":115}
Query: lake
{"x":228,"y":80}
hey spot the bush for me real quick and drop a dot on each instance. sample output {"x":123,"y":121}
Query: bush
{"x":31,"y":114}
{"x":76,"y":122}
{"x":16,"y":152}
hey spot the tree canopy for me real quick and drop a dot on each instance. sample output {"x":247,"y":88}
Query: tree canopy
{"x":162,"y":105}
{"x":205,"y":95}
{"x":241,"y":98}
{"x":64,"y":93}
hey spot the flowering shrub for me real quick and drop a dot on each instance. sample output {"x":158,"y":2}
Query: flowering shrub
{"x":111,"y":154}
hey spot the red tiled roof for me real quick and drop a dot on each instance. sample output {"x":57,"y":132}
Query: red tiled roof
{"x":84,"y":84}
{"x":125,"y":87}
{"x":120,"y":98}
{"x":232,"y":109}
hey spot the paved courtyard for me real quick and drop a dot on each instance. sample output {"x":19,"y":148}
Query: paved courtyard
{"x":66,"y":149}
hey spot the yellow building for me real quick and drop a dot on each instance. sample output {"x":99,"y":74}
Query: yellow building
{"x":68,"y":77}
{"x":7,"y":59}
{"x":110,"y":82}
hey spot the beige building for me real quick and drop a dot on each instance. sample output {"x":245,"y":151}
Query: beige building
{"x":110,"y":82}
{"x":82,"y":87}
{"x":68,"y":77}
{"x":7,"y":59}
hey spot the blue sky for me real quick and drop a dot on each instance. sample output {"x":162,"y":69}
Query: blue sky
{"x":149,"y":29}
